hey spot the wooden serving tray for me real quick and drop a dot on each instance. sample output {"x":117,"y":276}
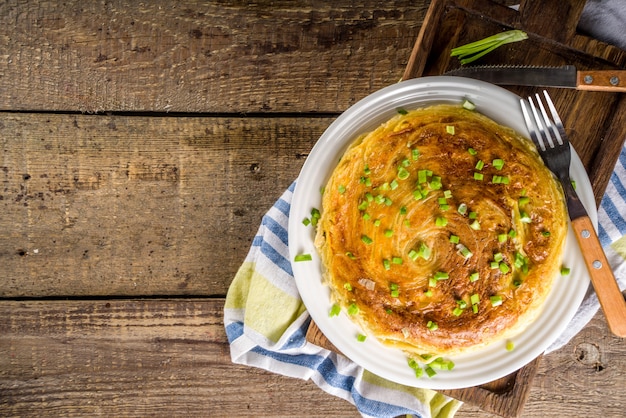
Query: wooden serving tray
{"x":595,"y":121}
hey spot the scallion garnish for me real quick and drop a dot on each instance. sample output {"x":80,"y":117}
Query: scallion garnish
{"x":475,"y":299}
{"x":479,"y":165}
{"x":495,"y":300}
{"x":353,"y":309}
{"x":429,"y":371}
{"x":402,"y":111}
{"x":386,"y":264}
{"x":454,"y":239}
{"x":415,"y":153}
{"x":341,"y":189}
{"x":440,"y":221}
{"x":502,"y":238}
{"x":474,"y":276}
{"x":350,"y":255}
{"x":470,"y":52}
{"x":432,"y":326}
{"x":403,"y":210}
{"x":348,"y":287}
{"x":403,"y":173}
{"x":396,"y":260}
{"x":361,"y":338}
{"x":525,"y":218}
{"x":366,"y":239}
{"x":457,"y":311}
{"x":441,"y":275}
{"x":479,"y":176}
{"x":306,"y":222}
{"x":302,"y":257}
{"x":388,"y":233}
{"x":565,"y":271}
{"x":475,"y":225}
{"x":450,"y":129}
{"x":468,"y":105}
{"x":394,"y":184}
{"x":510,"y":345}
{"x":472,"y":151}
{"x":334,"y":310}
{"x":504,"y":268}
{"x":462,"y":209}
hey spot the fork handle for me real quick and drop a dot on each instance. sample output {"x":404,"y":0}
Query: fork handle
{"x":611,"y":299}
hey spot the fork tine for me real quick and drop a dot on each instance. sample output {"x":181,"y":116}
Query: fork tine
{"x":529,"y":122}
{"x":542,"y":134}
{"x":550,"y":128}
{"x":559,"y":132}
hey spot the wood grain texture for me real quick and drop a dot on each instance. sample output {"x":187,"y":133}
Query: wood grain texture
{"x":196,"y":56}
{"x":170,"y":357}
{"x":127,"y":205}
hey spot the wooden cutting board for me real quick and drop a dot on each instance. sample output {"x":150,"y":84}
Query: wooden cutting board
{"x":596,"y":122}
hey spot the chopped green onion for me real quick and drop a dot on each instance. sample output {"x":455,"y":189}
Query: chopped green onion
{"x":366,"y":216}
{"x":565,"y":271}
{"x":380,"y":199}
{"x":403,"y":173}
{"x":478,"y":176}
{"x":424,"y":251}
{"x":302,"y":257}
{"x":498,"y":257}
{"x":495,"y":300}
{"x":415,"y":153}
{"x":472,"y":151}
{"x":396,"y":260}
{"x":525,"y":218}
{"x":475,"y":309}
{"x":457,"y":311}
{"x":394,"y":184}
{"x":468,"y":105}
{"x":450,"y":129}
{"x":475,"y":225}
{"x":454,"y":239}
{"x":441,"y":221}
{"x":417,"y":195}
{"x":341,"y":189}
{"x":350,"y":255}
{"x":306,"y":221}
{"x":402,"y":111}
{"x":395,"y":293}
{"x":432,"y":326}
{"x":510,"y":345}
{"x":475,"y":299}
{"x":421,"y":176}
{"x":385,"y":186}
{"x":377,"y":222}
{"x":428,"y":293}
{"x":432,"y":282}
{"x":413,"y":255}
{"x":369,"y":196}
{"x":494,"y":265}
{"x":504,"y":268}
{"x":348,"y":287}
{"x":496,"y":179}
{"x":546,"y":233}
{"x":388,"y":202}
{"x":429,"y":371}
{"x":366,"y":239}
{"x":334,"y":310}
{"x":361,"y":338}
{"x":447,"y":194}
{"x":388,"y":233}
{"x":473,"y":215}
{"x":512,"y":233}
{"x":435,"y":183}
{"x":403,"y":210}
{"x":462,"y":209}
{"x":461,"y":304}
{"x":393,"y":286}
{"x":465,"y":252}
{"x":573,"y":184}
{"x":498,"y":163}
{"x":472,"y":51}
{"x":367,"y":170}
{"x":353,"y":309}
{"x":502,"y":238}
{"x":441,"y":275}
{"x":386,"y":264}
{"x":479,"y":165}
{"x":363,"y":205}
{"x":474,"y":276}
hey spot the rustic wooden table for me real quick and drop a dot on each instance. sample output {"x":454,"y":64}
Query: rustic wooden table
{"x":140,"y":144}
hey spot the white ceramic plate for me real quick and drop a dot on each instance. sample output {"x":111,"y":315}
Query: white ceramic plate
{"x":471,"y":369}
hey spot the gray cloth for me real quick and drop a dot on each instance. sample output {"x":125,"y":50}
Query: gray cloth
{"x":605,"y":20}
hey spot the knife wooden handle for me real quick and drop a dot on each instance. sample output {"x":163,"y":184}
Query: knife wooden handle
{"x":602,"y":80}
{"x":602,"y":278}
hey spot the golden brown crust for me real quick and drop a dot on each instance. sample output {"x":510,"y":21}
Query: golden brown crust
{"x":383,"y":203}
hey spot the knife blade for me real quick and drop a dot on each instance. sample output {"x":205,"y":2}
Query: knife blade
{"x":566,"y":76}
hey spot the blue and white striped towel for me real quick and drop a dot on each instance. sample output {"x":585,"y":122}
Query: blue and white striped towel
{"x":266,"y":321}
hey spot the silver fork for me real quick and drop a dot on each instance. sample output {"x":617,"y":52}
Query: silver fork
{"x":554,"y":147}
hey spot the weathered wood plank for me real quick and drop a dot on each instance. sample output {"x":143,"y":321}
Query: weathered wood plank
{"x":114,"y":205}
{"x":163,"y":357}
{"x":196,"y":56}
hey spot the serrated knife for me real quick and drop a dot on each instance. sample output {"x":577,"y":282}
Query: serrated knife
{"x":566,"y":76}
